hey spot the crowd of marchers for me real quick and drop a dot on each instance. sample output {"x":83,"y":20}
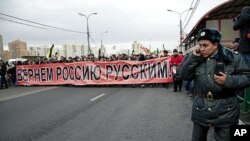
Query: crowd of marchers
{"x":8,"y":68}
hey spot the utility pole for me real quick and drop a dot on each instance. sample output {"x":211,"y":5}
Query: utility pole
{"x":180,"y":18}
{"x":87,"y":18}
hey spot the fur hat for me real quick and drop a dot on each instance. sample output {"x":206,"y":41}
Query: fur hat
{"x":209,"y":34}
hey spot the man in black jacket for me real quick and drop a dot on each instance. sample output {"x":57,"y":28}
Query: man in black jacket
{"x":3,"y":74}
{"x":213,"y":69}
{"x":242,"y":23}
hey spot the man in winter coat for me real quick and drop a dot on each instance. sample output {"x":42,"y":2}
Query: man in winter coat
{"x":242,"y":23}
{"x":216,"y":75}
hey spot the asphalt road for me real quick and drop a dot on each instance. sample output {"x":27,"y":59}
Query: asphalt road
{"x":94,"y":114}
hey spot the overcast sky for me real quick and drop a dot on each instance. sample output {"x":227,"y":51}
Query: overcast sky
{"x":145,"y":21}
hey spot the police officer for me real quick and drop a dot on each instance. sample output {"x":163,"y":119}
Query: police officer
{"x":215,"y":73}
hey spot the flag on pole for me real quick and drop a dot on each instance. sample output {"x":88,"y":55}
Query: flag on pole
{"x":144,"y":49}
{"x":49,"y":54}
{"x":99,"y":54}
{"x":56,"y":55}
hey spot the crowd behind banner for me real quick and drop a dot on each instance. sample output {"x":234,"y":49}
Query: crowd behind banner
{"x":117,"y":69}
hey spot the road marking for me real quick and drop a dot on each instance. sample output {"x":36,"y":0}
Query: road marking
{"x":99,"y":96}
{"x":26,"y":93}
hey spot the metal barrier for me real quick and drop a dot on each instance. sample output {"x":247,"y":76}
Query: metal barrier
{"x":246,"y":100}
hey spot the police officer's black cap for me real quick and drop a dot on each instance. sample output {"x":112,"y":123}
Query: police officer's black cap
{"x":209,"y":34}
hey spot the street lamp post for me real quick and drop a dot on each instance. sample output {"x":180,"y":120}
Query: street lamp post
{"x":102,"y":35}
{"x":180,"y":17}
{"x":87,"y":18}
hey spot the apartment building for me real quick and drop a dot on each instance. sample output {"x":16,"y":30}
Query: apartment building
{"x":18,"y":48}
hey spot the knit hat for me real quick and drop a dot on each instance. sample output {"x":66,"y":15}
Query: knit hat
{"x":209,"y":34}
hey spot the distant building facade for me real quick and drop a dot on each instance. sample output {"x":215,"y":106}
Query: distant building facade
{"x":136,"y":48}
{"x":103,"y":51}
{"x":72,"y":50}
{"x":6,"y":55}
{"x":38,"y":50}
{"x":18,"y":48}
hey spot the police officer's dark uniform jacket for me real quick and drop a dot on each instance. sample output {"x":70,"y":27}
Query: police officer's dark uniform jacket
{"x":214,"y":104}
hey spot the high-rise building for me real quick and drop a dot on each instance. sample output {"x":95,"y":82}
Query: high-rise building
{"x":38,"y":50}
{"x":103,"y":51}
{"x":18,"y":48}
{"x":73,"y":50}
{"x":136,"y":48}
{"x":32,"y":51}
{"x":6,"y":55}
